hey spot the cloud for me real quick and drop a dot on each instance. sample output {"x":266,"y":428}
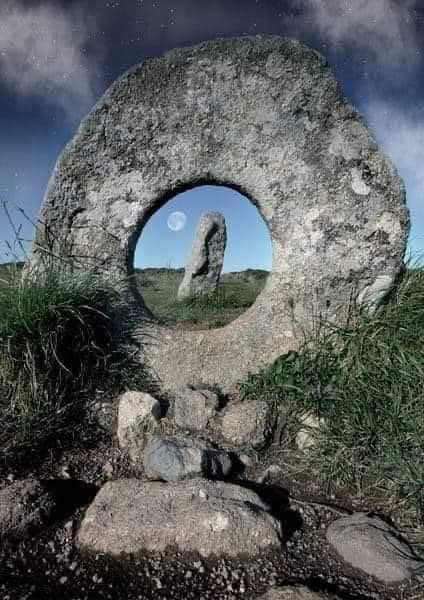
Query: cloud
{"x":381,"y":31}
{"x":401,"y":134}
{"x":43,"y":53}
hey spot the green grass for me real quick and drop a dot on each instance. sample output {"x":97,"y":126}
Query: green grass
{"x":366,"y":382}
{"x":234,"y":294}
{"x":56,"y":349}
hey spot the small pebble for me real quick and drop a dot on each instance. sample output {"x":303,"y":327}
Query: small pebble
{"x":108,"y":469}
{"x":158,"y":583}
{"x":64,"y":472}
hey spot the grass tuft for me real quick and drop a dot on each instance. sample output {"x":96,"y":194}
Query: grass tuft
{"x":56,"y":350}
{"x":366,"y":383}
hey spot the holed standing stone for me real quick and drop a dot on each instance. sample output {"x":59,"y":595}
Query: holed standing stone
{"x":265,"y":116}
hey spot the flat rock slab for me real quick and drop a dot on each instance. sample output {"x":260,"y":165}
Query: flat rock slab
{"x":292,"y":593}
{"x":265,"y":116}
{"x":130,"y":516}
{"x":374,"y":546}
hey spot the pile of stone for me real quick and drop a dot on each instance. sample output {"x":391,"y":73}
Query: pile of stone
{"x":195,"y":438}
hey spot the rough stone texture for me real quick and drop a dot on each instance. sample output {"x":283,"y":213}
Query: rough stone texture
{"x":247,"y":423}
{"x":25,"y":506}
{"x":261,"y":114}
{"x":204,"y":265}
{"x":128,"y":516}
{"x":194,"y":408}
{"x":372,"y":295}
{"x":304,"y":437}
{"x":374,"y":546}
{"x":182,"y":457}
{"x":292,"y":593}
{"x":271,"y":472}
{"x":137,"y":411}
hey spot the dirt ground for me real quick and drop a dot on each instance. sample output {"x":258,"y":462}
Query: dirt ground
{"x":49,"y":565}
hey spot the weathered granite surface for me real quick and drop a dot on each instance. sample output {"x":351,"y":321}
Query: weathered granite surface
{"x":261,"y":114}
{"x":129,"y":516}
{"x":206,"y":258}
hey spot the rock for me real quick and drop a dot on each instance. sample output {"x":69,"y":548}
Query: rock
{"x":372,"y":545}
{"x":107,"y":469}
{"x":292,"y":593}
{"x":204,"y":266}
{"x":182,"y":457}
{"x":25,"y":506}
{"x":246,"y":460}
{"x":138,"y":412}
{"x":130,"y":516}
{"x":373,"y":294}
{"x":65,"y":472}
{"x":270,"y":473}
{"x":194,"y":408}
{"x":304,"y":438}
{"x":247,"y":423}
{"x":286,"y":136}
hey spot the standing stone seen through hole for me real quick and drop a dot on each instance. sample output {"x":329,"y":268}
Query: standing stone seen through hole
{"x":204,"y":265}
{"x":215,"y":238}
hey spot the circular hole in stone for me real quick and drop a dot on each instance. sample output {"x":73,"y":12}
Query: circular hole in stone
{"x":164,"y":253}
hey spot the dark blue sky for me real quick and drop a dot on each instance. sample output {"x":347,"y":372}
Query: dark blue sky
{"x":58,"y":57}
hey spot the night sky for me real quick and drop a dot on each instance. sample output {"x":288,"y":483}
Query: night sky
{"x":57,"y":58}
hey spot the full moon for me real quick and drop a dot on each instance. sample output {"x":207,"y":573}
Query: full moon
{"x":176,"y":221}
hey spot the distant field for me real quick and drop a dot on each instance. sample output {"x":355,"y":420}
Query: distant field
{"x":235,"y":293}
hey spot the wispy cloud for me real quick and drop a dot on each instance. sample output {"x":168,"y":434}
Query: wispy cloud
{"x":401,"y":135}
{"x":382,"y":31}
{"x":43,"y":53}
